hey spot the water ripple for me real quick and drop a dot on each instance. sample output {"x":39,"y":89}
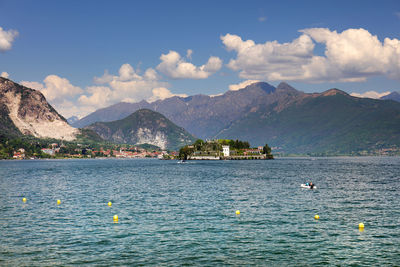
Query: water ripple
{"x":184,"y":214}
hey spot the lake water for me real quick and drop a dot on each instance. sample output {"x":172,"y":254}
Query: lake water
{"x":184,"y":214}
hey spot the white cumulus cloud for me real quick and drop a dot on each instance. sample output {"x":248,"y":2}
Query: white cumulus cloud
{"x":4,"y":74}
{"x":174,"y":66}
{"x":235,"y":87}
{"x":128,"y":86}
{"x":103,"y":79}
{"x":271,"y":60}
{"x":370,"y":94}
{"x":54,"y":88}
{"x":7,"y":38}
{"x":69,"y":108}
{"x":163,"y":93}
{"x":350,"y":56}
{"x":97,"y":96}
{"x":60,"y":93}
{"x":355,"y":54}
{"x":33,"y":85}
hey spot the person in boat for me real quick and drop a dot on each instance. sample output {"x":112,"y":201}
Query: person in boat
{"x":311,"y":185}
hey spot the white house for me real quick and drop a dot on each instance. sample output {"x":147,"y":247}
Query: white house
{"x":225,"y":150}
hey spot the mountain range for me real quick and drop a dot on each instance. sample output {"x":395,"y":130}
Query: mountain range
{"x":144,"y":127}
{"x":202,"y":115}
{"x":331,"y":122}
{"x":289,"y":120}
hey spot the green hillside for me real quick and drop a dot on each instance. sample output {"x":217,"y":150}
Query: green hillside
{"x":331,"y":123}
{"x":144,"y":126}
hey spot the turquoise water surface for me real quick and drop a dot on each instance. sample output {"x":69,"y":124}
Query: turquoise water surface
{"x":184,"y":214}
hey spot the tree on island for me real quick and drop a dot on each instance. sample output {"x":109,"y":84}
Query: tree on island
{"x":198,"y":144}
{"x":267,"y":152}
{"x":185,"y":151}
{"x":235,"y":144}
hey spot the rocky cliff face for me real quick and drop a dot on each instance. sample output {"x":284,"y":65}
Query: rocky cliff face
{"x":144,"y":127}
{"x":27,"y":112}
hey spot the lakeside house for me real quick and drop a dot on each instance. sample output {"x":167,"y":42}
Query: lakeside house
{"x":20,"y":154}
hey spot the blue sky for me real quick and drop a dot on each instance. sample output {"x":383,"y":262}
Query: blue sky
{"x":63,"y":48}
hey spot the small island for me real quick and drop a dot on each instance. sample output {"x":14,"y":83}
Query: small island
{"x":224,"y":149}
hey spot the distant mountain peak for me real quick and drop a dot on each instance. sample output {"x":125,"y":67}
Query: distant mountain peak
{"x":392,"y":96}
{"x":283,"y":86}
{"x":143,"y":102}
{"x":334,"y":91}
{"x":72,"y":119}
{"x":142,"y":113}
{"x":266,"y":87}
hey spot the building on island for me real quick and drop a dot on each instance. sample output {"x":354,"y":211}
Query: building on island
{"x":225,"y":150}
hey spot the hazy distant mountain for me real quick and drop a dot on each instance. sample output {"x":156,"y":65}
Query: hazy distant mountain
{"x":392,"y":96}
{"x":72,"y":119}
{"x":115,"y":112}
{"x":144,"y":127}
{"x":24,"y":111}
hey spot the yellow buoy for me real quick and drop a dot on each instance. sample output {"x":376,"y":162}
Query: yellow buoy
{"x":115,"y":218}
{"x":238,"y":212}
{"x":316,"y":217}
{"x":58,"y":202}
{"x":361,"y":227}
{"x":109,"y":204}
{"x":24,"y":200}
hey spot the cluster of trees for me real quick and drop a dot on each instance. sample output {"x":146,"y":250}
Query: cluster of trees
{"x":267,"y":151}
{"x":233,"y":144}
{"x":185,"y":152}
{"x":237,"y":144}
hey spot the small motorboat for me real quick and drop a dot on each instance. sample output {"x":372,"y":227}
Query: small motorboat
{"x":308,"y":186}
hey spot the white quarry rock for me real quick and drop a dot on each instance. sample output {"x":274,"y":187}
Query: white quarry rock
{"x":144,"y":136}
{"x":48,"y":126}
